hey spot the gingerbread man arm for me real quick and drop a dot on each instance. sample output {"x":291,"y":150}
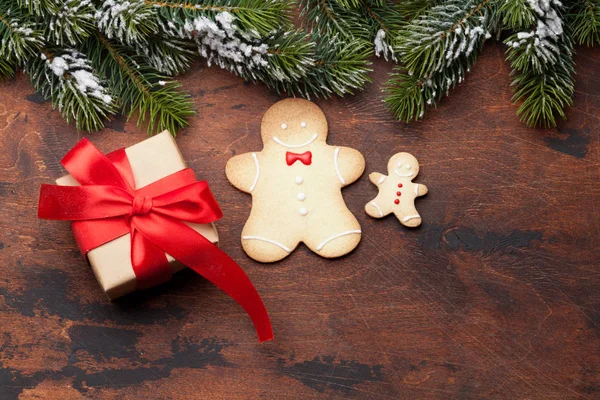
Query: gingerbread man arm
{"x":376,"y":178}
{"x":420,"y":189}
{"x":243,"y":171}
{"x":349,"y":164}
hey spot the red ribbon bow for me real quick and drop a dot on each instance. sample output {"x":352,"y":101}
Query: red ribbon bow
{"x":107,"y":206}
{"x":305,"y":158}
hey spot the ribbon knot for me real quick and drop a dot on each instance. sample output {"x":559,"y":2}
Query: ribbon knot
{"x":141,"y":205}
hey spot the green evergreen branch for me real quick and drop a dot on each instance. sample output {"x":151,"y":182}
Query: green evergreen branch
{"x":169,"y":56}
{"x":542,"y":63}
{"x":330,"y":18}
{"x":140,"y":88}
{"x":340,"y":68}
{"x":130,"y":22}
{"x":412,"y":9}
{"x":409,"y":96}
{"x":70,"y":22}
{"x":517,"y":14}
{"x":20,"y":36}
{"x":290,"y":56}
{"x":67,"y":79}
{"x":257,"y":17}
{"x":434,"y":40}
{"x":7,"y":70}
{"x":545,"y":95}
{"x":584,"y":17}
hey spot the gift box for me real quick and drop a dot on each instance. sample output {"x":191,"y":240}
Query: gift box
{"x":150,"y":160}
{"x":139,"y":215}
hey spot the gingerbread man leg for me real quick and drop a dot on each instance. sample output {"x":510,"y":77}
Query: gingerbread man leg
{"x":378,"y":208}
{"x":337,"y":238}
{"x":268,"y":242}
{"x":408,"y":216}
{"x":265,"y":249}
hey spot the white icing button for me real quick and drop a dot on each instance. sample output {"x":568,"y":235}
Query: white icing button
{"x":283,"y":126}
{"x":303,"y":211}
{"x":303,"y":124}
{"x":301,"y":196}
{"x":299,"y":180}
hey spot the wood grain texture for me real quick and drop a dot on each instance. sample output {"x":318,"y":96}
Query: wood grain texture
{"x":496,"y":295}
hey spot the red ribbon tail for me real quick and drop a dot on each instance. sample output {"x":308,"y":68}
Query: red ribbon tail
{"x":199,"y":254}
{"x":234,"y":281}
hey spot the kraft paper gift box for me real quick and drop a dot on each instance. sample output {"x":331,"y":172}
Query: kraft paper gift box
{"x":150,"y":160}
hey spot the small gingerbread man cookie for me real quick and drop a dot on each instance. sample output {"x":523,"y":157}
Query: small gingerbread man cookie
{"x":295,"y":183}
{"x":397,"y":192}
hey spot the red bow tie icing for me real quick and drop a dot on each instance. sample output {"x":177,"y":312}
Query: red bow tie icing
{"x":305,"y":158}
{"x":108,"y":206}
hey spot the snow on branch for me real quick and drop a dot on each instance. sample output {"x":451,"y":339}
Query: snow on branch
{"x":75,"y":71}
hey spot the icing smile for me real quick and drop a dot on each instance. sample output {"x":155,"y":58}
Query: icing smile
{"x":293,"y":146}
{"x":402,"y":175}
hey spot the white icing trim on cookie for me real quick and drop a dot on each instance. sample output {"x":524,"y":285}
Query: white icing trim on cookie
{"x":320,"y":246}
{"x":377,"y":207}
{"x":416,"y":188}
{"x":337,"y":167}
{"x":293,"y":146}
{"x":409,"y":217}
{"x":257,"y":172}
{"x":380,"y":181}
{"x":281,"y":246}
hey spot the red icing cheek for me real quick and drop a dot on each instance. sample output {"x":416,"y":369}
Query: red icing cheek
{"x":396,"y":201}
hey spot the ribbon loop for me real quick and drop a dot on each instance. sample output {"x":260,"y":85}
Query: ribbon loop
{"x":104,"y":207}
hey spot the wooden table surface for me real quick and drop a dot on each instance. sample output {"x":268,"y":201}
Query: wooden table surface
{"x":496,"y":295}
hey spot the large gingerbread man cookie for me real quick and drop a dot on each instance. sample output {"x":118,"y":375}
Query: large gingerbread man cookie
{"x":295,"y":183}
{"x":397,"y":192}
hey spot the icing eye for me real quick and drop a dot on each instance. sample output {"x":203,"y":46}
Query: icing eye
{"x":303,"y":124}
{"x":408,"y":166}
{"x":398,"y":164}
{"x":283,"y":126}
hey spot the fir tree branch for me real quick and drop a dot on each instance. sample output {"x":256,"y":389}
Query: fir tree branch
{"x":139,"y":87}
{"x":66,"y":77}
{"x":545,"y":95}
{"x":130,"y":22}
{"x":433,"y":41}
{"x":169,"y":56}
{"x":7,"y":70}
{"x":412,"y":9}
{"x":330,"y":18}
{"x":584,"y":19}
{"x":340,"y":68}
{"x":70,"y":21}
{"x":409,"y":96}
{"x":20,"y":36}
{"x":542,"y":63}
{"x":257,"y":17}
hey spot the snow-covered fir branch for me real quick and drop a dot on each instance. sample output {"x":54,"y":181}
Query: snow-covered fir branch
{"x":541,"y":42}
{"x":222,"y":43}
{"x":445,"y":34}
{"x":71,"y":20}
{"x":128,"y":21}
{"x":74,"y":71}
{"x":18,"y":37}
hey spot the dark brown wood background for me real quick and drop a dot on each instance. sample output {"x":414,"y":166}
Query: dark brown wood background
{"x":496,"y":295}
